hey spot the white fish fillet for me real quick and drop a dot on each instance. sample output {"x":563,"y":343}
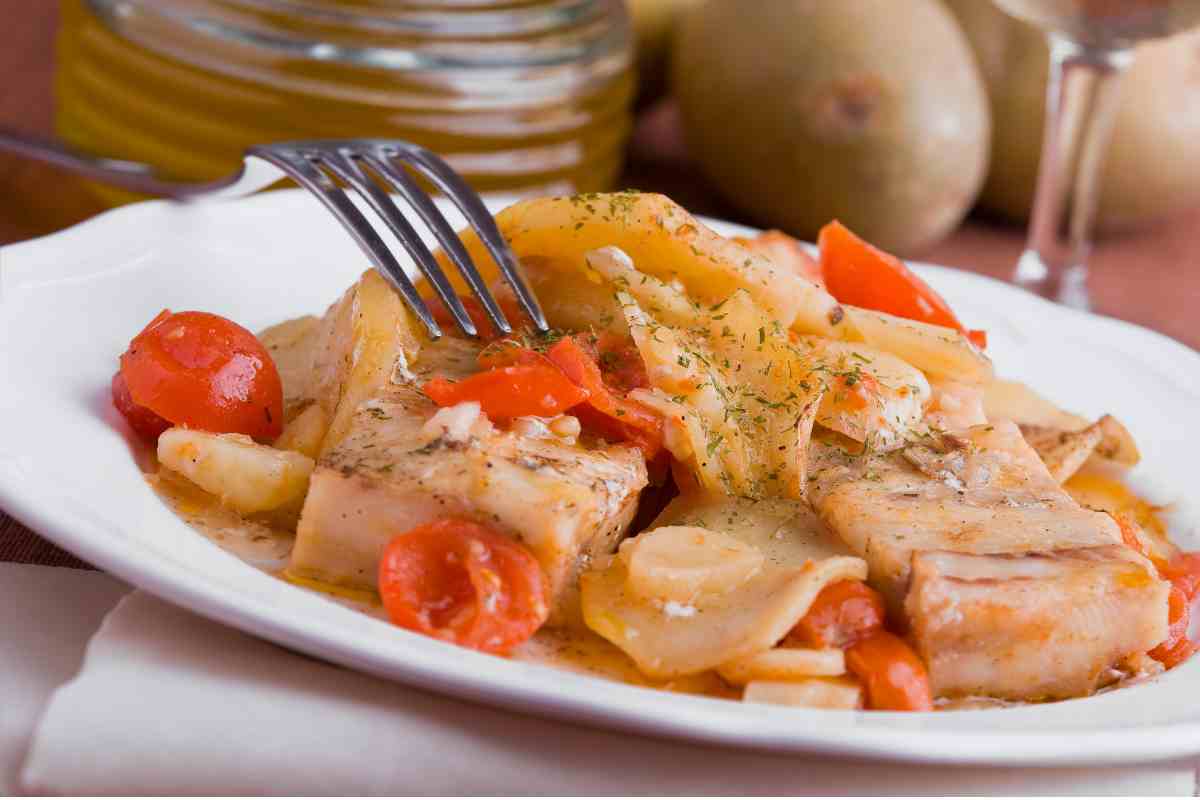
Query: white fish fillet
{"x":567,"y":503}
{"x":1033,"y":626}
{"x":984,"y":501}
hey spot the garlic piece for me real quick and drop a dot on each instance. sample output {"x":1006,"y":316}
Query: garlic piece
{"x":457,"y":423}
{"x":564,"y":427}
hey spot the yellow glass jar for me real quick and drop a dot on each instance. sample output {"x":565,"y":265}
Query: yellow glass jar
{"x":530,"y":96}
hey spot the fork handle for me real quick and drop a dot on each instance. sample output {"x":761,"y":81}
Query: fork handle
{"x":132,"y":175}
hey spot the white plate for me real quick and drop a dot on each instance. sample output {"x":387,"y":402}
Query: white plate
{"x":69,"y":304}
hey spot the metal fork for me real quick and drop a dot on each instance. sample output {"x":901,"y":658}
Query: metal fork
{"x":361,"y":164}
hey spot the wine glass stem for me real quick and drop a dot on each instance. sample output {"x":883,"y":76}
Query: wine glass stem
{"x":1081,"y":100}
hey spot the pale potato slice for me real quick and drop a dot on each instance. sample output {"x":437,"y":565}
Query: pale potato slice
{"x":738,"y":398}
{"x":685,"y":563}
{"x":670,"y":639}
{"x":1063,"y":452}
{"x":870,"y":396}
{"x":664,"y":241}
{"x":245,"y":476}
{"x":575,"y":301}
{"x":1003,"y":399}
{"x":941,"y":353}
{"x":836,"y":694}
{"x":305,"y":432}
{"x":1117,"y":445}
{"x":785,"y":252}
{"x":784,"y":664}
{"x":669,"y":303}
{"x":363,"y":341}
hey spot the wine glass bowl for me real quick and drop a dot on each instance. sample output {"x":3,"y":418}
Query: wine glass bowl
{"x":1091,"y":45}
{"x":1107,"y":24}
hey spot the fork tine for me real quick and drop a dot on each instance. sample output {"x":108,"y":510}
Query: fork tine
{"x":303,"y":171}
{"x":346,"y":167}
{"x":468,"y":202}
{"x":445,"y":235}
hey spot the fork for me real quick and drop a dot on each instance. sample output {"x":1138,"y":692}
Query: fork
{"x":362,"y":165}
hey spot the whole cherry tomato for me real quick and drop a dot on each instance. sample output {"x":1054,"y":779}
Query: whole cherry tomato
{"x":203,"y":371}
{"x":145,"y":423}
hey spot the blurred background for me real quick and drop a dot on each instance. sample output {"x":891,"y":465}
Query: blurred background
{"x":918,"y":123}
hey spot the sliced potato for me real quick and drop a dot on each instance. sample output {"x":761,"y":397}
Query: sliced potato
{"x":870,"y":396}
{"x":245,"y":476}
{"x":1063,"y":452}
{"x":785,"y":252}
{"x":839,"y":694}
{"x":784,"y":664}
{"x":670,"y":639}
{"x":576,"y":301}
{"x":738,"y":397}
{"x":684,"y":563}
{"x":941,"y":353}
{"x":1003,"y":399}
{"x":664,"y":241}
{"x":363,"y":340}
{"x":305,"y":432}
{"x":1117,"y":445}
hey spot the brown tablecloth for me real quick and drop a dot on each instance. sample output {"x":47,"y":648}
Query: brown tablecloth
{"x":1152,"y":278}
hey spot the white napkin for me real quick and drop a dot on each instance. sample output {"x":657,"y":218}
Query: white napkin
{"x":47,"y":615}
{"x":169,"y":703}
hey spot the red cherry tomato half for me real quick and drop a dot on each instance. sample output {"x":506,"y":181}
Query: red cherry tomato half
{"x":462,"y":582}
{"x":861,"y":275}
{"x":1177,"y":647}
{"x":607,"y":412}
{"x":522,"y":390}
{"x":893,"y":675}
{"x":145,"y":423}
{"x":203,"y":371}
{"x":1184,"y":572}
{"x":843,"y":613}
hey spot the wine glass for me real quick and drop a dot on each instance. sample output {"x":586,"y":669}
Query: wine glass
{"x":1091,"y":45}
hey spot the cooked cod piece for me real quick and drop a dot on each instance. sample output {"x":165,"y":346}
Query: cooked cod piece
{"x":984,"y":491}
{"x":1033,"y":626}
{"x":983,"y":503}
{"x":403,"y":462}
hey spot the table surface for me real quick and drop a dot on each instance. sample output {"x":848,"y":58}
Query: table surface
{"x":1151,"y":278}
